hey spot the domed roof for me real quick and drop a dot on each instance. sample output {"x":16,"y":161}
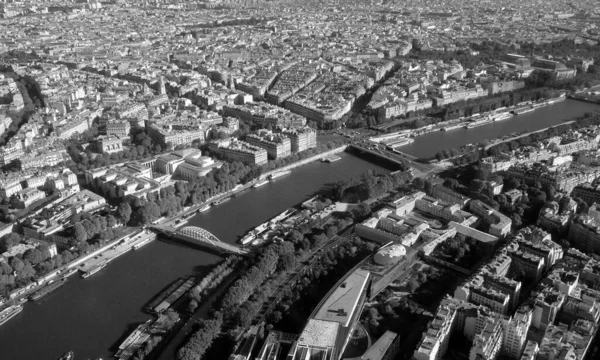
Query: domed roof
{"x":389,"y":254}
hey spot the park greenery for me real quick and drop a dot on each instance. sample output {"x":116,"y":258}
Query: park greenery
{"x":295,"y":307}
{"x":459,"y":250}
{"x":211,"y":281}
{"x":31,"y":98}
{"x":369,"y":186}
{"x":83,"y":157}
{"x":20,"y":270}
{"x":244,"y":298}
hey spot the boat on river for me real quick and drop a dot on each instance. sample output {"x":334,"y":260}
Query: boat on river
{"x":452,"y":127}
{"x":261,"y":183}
{"x":204,"y":208}
{"x":220,"y":201}
{"x":9,"y":313}
{"x":279,"y":174}
{"x":478,"y":123}
{"x":47,"y":289}
{"x":503,"y":116}
{"x":95,"y":270}
{"x":250,"y":236}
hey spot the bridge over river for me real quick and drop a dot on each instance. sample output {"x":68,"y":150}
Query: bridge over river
{"x":199,"y":237}
{"x":403,"y":159}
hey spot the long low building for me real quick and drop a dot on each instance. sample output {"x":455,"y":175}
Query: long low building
{"x":332,"y":323}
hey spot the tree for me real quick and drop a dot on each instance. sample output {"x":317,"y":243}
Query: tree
{"x":80,"y":234}
{"x":192,"y":306}
{"x":147,"y":213}
{"x":451,"y":184}
{"x":516,"y":220}
{"x":512,"y":183}
{"x":331,"y":231}
{"x":286,"y":262}
{"x":8,"y":241}
{"x":413,"y":285}
{"x":319,"y":240}
{"x":295,"y":236}
{"x":476,"y":186}
{"x":124,"y":212}
{"x":419,"y":183}
{"x":5,"y":268}
{"x":16,"y":264}
{"x":171,"y":318}
{"x":34,"y":256}
{"x":111,"y":221}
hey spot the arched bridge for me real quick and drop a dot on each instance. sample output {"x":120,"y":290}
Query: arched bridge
{"x":201,"y":237}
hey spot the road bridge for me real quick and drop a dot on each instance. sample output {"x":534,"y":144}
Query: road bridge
{"x":199,"y":237}
{"x":395,"y":158}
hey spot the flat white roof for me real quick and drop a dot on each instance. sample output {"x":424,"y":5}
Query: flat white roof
{"x":341,"y":303}
{"x":320,"y":334}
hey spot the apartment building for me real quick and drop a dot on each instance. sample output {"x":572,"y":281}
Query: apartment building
{"x":515,"y":332}
{"x":495,"y":300}
{"x":277,"y":145}
{"x":488,"y":343}
{"x":168,"y":135}
{"x":500,"y":224}
{"x":531,"y":350}
{"x":434,"y":342}
{"x":118,"y":128}
{"x":452,"y":197}
{"x":303,"y":138}
{"x":236,"y":150}
{"x":584,"y":234}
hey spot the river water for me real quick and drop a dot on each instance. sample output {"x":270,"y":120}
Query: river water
{"x":427,"y":145}
{"x":92,"y":316}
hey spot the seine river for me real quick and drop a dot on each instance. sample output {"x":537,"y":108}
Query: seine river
{"x":427,"y":145}
{"x":91,"y":317}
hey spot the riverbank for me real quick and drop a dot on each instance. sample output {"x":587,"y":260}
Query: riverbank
{"x":476,"y":120}
{"x":304,"y":161}
{"x":184,"y":217}
{"x":586,"y":98}
{"x":523,"y":135}
{"x":122,"y":245}
{"x":60,"y":272}
{"x":426,"y":146}
{"x":113,"y":300}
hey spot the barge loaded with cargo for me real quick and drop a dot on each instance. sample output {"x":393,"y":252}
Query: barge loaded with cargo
{"x":47,"y":289}
{"x":164,"y":300}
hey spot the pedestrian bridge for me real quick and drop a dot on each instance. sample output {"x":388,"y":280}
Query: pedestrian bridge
{"x":201,"y":237}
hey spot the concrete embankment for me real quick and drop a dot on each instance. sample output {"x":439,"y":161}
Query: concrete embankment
{"x":305,"y":161}
{"x":527,"y":134}
{"x":585,"y":98}
{"x":96,"y":252}
{"x":117,"y":249}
